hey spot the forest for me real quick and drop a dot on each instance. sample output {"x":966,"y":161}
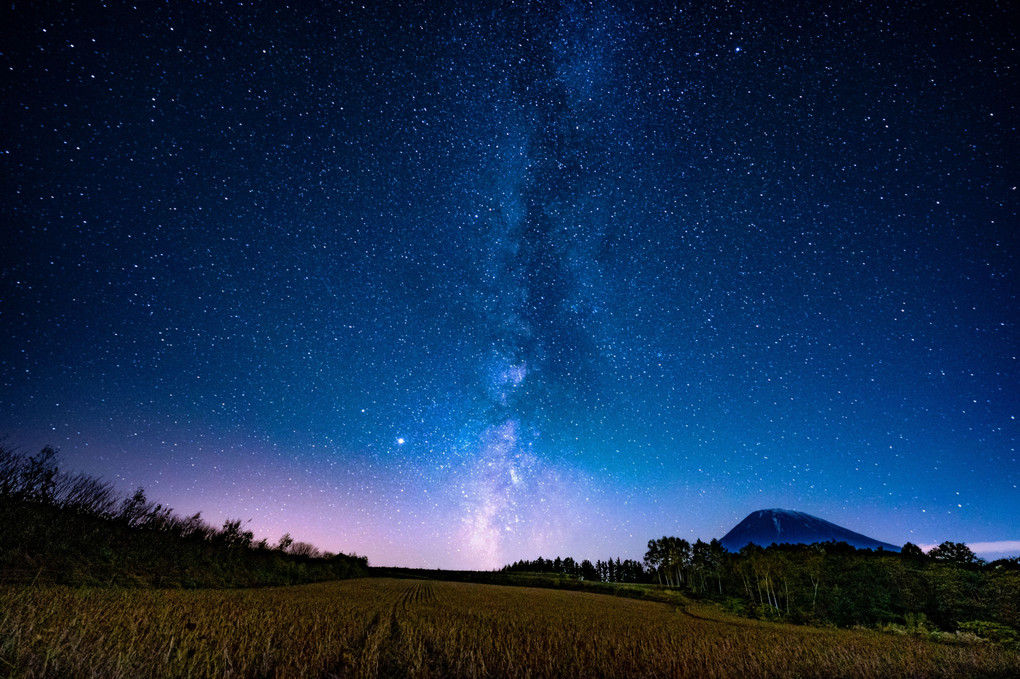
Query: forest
{"x":74,"y":529}
{"x":825,"y":584}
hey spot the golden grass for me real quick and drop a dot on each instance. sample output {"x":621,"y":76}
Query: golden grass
{"x":401,"y":628}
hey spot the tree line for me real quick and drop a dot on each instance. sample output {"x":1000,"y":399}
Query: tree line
{"x":610,"y":570}
{"x":57,"y":527}
{"x":830,"y":583}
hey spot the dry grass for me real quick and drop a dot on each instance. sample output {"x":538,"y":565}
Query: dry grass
{"x":400,"y":628}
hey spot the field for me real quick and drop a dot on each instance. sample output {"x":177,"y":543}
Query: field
{"x":413,"y":628}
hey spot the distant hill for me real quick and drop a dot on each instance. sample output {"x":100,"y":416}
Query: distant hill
{"x":767,"y":526}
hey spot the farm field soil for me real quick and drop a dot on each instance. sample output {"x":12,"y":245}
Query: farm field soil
{"x":408,"y":628}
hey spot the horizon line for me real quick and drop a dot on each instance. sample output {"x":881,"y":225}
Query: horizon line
{"x":996,"y":546}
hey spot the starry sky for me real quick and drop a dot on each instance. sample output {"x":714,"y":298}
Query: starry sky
{"x":456,"y":284}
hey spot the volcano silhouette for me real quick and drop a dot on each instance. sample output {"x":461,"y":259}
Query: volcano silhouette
{"x":783,"y":526}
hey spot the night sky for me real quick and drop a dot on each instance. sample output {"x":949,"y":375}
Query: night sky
{"x":453,"y":286}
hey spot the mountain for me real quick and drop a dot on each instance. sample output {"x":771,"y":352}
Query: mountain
{"x":766,"y":526}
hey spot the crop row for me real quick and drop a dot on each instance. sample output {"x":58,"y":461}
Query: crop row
{"x":383,"y":628}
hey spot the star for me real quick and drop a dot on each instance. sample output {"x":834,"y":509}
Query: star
{"x":571,"y":252}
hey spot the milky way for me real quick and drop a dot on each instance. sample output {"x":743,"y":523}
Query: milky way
{"x":456,"y":286}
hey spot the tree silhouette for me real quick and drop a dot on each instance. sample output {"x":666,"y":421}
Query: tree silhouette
{"x":77,"y":530}
{"x":953,"y":552}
